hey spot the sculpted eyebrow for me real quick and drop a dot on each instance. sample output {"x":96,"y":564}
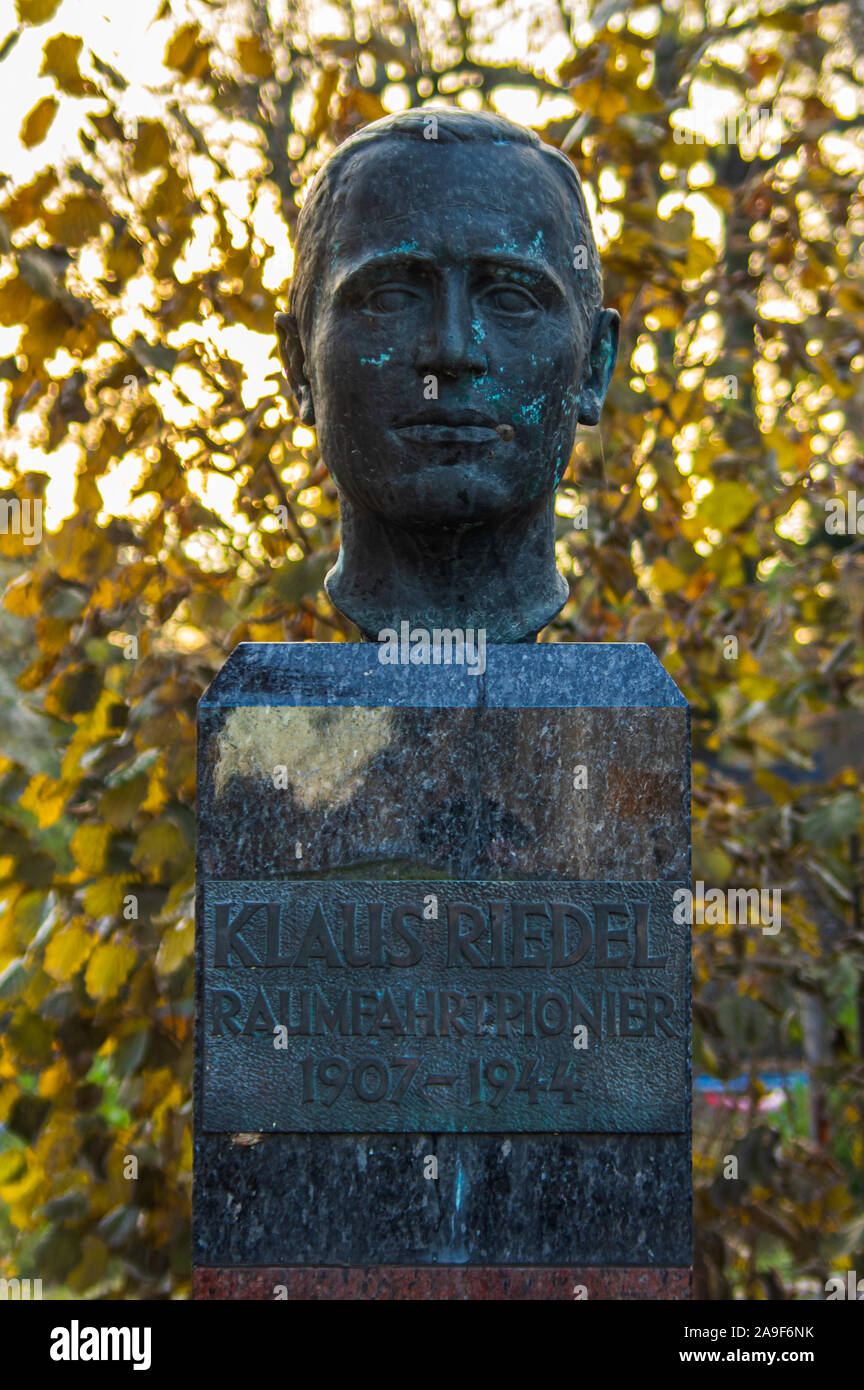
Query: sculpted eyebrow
{"x":366,"y":272}
{"x":377,"y":267}
{"x":517,"y":268}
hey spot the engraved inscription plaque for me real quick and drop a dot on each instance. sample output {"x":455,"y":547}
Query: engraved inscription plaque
{"x":354,"y":1006}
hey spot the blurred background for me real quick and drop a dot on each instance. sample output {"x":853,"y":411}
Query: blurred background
{"x":159,"y":503}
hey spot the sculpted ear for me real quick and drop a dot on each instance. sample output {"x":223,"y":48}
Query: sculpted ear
{"x":599,"y":366}
{"x":291,"y":354}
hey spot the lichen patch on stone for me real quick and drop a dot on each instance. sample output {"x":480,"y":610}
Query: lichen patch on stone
{"x":324,"y":750}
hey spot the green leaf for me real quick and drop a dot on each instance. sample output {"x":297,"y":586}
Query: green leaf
{"x":836,"y":820}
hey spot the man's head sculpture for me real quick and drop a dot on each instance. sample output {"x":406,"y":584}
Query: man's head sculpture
{"x":446,"y":338}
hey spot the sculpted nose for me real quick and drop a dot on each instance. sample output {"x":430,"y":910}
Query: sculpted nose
{"x":449,"y":346}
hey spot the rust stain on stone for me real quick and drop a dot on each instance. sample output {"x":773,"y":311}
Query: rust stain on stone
{"x":642,"y":793}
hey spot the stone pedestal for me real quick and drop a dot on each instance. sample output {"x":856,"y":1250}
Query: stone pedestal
{"x":443,"y":1010}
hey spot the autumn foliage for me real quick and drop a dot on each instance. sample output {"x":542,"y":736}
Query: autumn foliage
{"x":141,"y":391}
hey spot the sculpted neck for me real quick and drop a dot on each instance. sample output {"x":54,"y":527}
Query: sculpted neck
{"x":501,"y":578}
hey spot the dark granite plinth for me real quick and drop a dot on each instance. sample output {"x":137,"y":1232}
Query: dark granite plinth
{"x":448,"y":1284}
{"x":562,"y":762}
{"x":323,"y":1199}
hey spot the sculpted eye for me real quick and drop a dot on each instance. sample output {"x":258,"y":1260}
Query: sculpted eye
{"x":389,"y":299}
{"x":510,"y":299}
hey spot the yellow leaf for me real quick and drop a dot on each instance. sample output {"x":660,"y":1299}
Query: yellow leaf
{"x":77,"y":220}
{"x":780,"y":791}
{"x":119,"y":805}
{"x":611,"y":103}
{"x":13,"y":1164}
{"x":157,"y":845}
{"x":253,"y":57}
{"x":60,"y":61}
{"x":328,"y":83}
{"x":181,"y":46}
{"x":52,"y":634}
{"x":690,"y":527}
{"x":16,"y":303}
{"x":67,"y":951}
{"x":727,"y":566}
{"x":54,"y":1079}
{"x":185,"y":54}
{"x":89,"y":847}
{"x":158,"y":1087}
{"x":162,"y":1113}
{"x":152,"y":146}
{"x":15,"y":1193}
{"x":29,"y":200}
{"x":157,"y":795}
{"x":367,"y":104}
{"x":701,"y":256}
{"x":36,"y":11}
{"x":125,"y":257}
{"x":758,"y":687}
{"x":726,"y":506}
{"x":668,"y":315}
{"x":91,"y":1266}
{"x":109,"y":967}
{"x":666,"y":577}
{"x":37,"y":122}
{"x":45,"y":798}
{"x":104,"y":898}
{"x":91,"y":729}
{"x":169,"y":197}
{"x":8,"y":1097}
{"x":715,"y":866}
{"x":646,"y":626}
{"x":175,"y":946}
{"x":58,"y":1141}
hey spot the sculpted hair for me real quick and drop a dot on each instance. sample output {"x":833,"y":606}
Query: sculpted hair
{"x":450,"y":127}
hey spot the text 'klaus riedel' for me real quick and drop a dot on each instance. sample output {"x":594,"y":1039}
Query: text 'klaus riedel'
{"x":523,"y":936}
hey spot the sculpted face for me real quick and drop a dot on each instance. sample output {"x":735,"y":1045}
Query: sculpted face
{"x":449,"y":360}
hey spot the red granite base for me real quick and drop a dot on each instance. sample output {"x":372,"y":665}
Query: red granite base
{"x":440,"y":1283}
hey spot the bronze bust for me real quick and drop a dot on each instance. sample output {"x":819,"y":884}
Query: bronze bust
{"x":446,"y":338}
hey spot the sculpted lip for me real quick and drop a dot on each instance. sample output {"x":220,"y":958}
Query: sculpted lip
{"x":449,"y":427}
